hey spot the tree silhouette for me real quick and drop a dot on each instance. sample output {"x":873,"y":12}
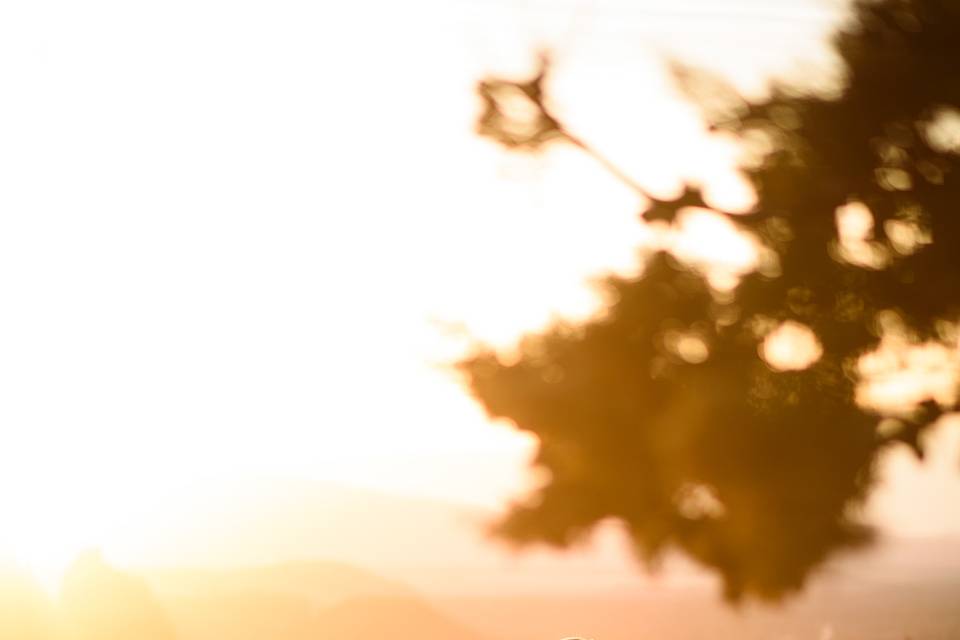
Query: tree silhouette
{"x":741,"y":424}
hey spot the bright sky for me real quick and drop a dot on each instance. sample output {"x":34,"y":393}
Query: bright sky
{"x":232,"y":233}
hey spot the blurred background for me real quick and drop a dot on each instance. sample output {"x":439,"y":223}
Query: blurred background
{"x":240,"y":245}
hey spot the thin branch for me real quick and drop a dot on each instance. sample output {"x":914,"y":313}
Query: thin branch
{"x":609,"y":165}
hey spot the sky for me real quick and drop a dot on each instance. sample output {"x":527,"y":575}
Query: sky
{"x":247,"y":237}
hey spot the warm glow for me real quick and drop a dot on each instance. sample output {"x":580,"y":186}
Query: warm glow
{"x":245,"y":239}
{"x":710,"y":241}
{"x":209,"y":262}
{"x":791,"y":346}
{"x":902,"y":373}
{"x":855,"y":237}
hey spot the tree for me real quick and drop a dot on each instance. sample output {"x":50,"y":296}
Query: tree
{"x":742,"y":425}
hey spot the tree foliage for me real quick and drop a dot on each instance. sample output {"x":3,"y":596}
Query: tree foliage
{"x":670,"y":412}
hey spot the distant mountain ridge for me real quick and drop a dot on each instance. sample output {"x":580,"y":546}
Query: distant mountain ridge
{"x":442,"y":549}
{"x":320,"y":583}
{"x":282,"y":602}
{"x":294,"y":601}
{"x":902,"y":588}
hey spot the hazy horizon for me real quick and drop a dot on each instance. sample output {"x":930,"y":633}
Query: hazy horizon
{"x":242,"y":245}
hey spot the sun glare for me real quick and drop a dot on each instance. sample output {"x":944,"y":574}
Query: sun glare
{"x":51,"y":517}
{"x":223,"y":256}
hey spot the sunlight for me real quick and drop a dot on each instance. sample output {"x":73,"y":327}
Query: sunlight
{"x":791,"y":346}
{"x":42,"y":544}
{"x":49,"y":520}
{"x":902,"y":372}
{"x":711,"y":242}
{"x":203,"y":297}
{"x":241,"y":245}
